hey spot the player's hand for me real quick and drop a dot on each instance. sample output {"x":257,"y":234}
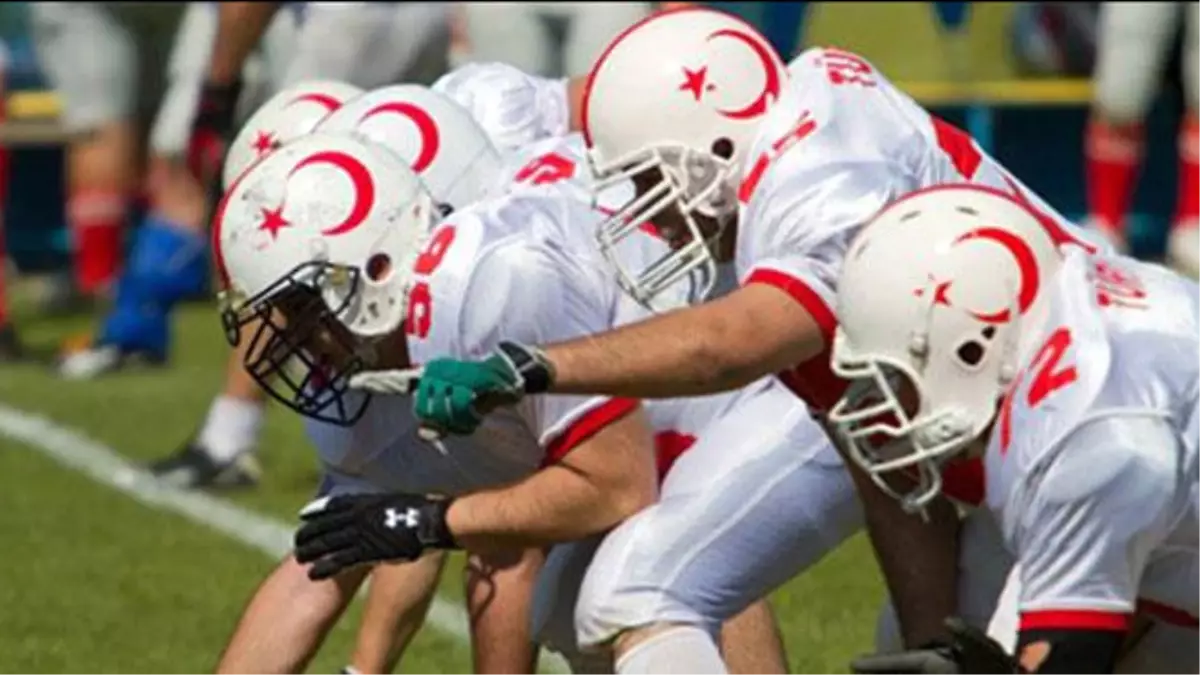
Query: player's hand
{"x":969,"y":650}
{"x":453,"y":396}
{"x":211,"y":128}
{"x":341,"y":532}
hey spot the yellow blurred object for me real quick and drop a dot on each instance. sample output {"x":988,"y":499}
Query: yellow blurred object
{"x":33,"y":105}
{"x":1001,"y":92}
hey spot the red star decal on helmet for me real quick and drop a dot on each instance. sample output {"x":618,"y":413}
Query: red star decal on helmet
{"x":264,"y":142}
{"x":694,"y":82}
{"x":273,"y":221}
{"x":940,"y":292}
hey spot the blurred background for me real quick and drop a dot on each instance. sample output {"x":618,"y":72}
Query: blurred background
{"x":1029,"y":63}
{"x":111,"y":569}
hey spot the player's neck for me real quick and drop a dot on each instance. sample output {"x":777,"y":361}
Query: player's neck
{"x":392,"y":352}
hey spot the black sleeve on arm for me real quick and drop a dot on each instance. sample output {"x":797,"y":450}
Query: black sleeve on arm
{"x":1073,"y":650}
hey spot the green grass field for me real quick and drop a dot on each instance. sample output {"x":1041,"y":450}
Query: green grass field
{"x":98,"y":581}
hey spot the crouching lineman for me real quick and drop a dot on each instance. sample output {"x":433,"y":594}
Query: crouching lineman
{"x":429,"y":304}
{"x":1073,"y":382}
{"x":788,"y":163}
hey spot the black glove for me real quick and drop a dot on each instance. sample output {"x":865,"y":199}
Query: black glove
{"x":341,"y":532}
{"x":969,"y":650}
{"x":211,"y":128}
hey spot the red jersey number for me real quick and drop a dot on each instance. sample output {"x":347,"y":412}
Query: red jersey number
{"x":549,"y":168}
{"x":842,"y":67}
{"x":1050,"y":375}
{"x":419,"y":317}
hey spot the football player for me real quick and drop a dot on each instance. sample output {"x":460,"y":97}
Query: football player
{"x":318,"y":52}
{"x":695,"y":108}
{"x":382,"y":455}
{"x":1073,"y":381}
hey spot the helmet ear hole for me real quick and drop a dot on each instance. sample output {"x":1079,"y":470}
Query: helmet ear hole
{"x":379,"y":267}
{"x":723,"y":148}
{"x":971,"y":353}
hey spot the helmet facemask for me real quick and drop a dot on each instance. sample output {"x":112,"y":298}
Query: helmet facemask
{"x":680,"y":183}
{"x":300,"y":349}
{"x":915,"y":411}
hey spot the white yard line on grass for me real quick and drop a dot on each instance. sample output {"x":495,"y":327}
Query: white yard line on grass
{"x":105,"y":465}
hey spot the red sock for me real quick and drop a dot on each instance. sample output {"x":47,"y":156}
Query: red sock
{"x":1187,"y":211}
{"x":96,"y":219}
{"x":1112,"y":154}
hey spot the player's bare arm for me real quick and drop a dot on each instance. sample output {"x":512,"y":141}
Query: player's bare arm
{"x":718,"y":346}
{"x":918,"y":558}
{"x":606,"y":479}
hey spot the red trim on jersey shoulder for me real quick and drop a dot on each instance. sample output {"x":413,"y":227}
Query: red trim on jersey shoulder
{"x":801,"y":293}
{"x":1168,"y":614}
{"x":813,"y":381}
{"x":587,"y":425}
{"x":1075,"y":619}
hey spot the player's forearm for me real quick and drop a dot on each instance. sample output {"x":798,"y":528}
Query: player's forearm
{"x":554,"y":505}
{"x":919,"y":559}
{"x":240,"y":26}
{"x":714,"y":347}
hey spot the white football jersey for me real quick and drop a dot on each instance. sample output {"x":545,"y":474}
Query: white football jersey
{"x":523,"y":266}
{"x":839,"y":145}
{"x":1091,"y":470}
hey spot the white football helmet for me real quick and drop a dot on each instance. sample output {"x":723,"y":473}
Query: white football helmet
{"x":680,"y":95}
{"x":515,"y":108}
{"x":932,"y":299}
{"x":439,"y":139}
{"x":316,"y":243}
{"x":291,"y":113}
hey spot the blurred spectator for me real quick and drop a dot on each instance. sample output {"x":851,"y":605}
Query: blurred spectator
{"x":105,"y":62}
{"x":552,"y":39}
{"x":1055,"y":39}
{"x":1134,"y":41}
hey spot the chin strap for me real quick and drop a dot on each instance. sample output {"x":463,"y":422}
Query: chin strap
{"x":401,"y":382}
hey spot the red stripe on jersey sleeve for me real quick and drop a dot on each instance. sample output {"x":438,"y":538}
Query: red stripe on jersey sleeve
{"x":813,"y":381}
{"x":801,"y":293}
{"x":587,"y":425}
{"x":1075,"y":619}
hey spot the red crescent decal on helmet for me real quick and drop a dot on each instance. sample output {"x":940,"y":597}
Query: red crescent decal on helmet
{"x":770,"y":89}
{"x":325,"y":100}
{"x":1026,"y":264}
{"x":360,"y":178}
{"x":430,"y":137}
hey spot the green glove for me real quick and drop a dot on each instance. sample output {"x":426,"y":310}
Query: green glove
{"x":453,"y":396}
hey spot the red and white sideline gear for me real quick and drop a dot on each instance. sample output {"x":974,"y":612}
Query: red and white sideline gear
{"x":841,"y":143}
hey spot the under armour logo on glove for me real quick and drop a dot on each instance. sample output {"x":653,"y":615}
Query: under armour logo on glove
{"x":410,"y":518}
{"x":350,"y":530}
